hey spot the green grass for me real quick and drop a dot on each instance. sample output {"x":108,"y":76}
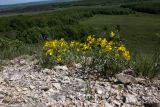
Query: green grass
{"x":142,"y":31}
{"x":25,"y":49}
{"x":146,"y":65}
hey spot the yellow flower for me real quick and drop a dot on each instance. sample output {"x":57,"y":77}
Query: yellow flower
{"x":49,"y":52}
{"x":122,"y":48}
{"x":126,"y":55}
{"x":99,"y":40}
{"x":46,"y":45}
{"x":59,"y":59}
{"x":93,"y":39}
{"x":85,"y":47}
{"x":53,"y":44}
{"x":108,"y":48}
{"x":89,"y":38}
{"x":103,"y":42}
{"x":112,"y":34}
{"x":72,"y":44}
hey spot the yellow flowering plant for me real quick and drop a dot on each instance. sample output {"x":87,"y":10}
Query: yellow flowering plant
{"x":102,"y":51}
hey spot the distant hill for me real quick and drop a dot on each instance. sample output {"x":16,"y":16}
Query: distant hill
{"x":51,"y":5}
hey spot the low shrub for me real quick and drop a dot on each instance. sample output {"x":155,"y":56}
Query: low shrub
{"x":98,"y":54}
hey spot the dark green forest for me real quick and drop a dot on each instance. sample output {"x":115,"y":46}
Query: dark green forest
{"x":147,"y":7}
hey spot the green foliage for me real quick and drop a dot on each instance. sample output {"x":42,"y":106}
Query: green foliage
{"x":6,"y":43}
{"x":62,"y":23}
{"x":14,"y":48}
{"x":44,"y":61}
{"x":113,"y":66}
{"x":33,"y":35}
{"x":147,"y":66}
{"x":105,"y":64}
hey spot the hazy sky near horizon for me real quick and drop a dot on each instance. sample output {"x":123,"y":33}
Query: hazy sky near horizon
{"x":8,"y":2}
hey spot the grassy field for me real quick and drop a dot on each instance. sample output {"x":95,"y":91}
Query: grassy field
{"x":142,"y":31}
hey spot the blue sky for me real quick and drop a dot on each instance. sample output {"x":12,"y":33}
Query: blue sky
{"x":6,"y":2}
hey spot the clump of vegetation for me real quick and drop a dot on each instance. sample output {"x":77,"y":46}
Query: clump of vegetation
{"x":103,"y":54}
{"x":7,"y":43}
{"x":14,"y":48}
{"x":147,"y":66}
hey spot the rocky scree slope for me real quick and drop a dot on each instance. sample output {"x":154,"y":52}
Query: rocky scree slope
{"x":23,"y":83}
